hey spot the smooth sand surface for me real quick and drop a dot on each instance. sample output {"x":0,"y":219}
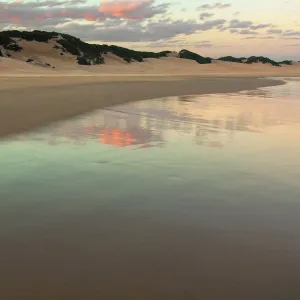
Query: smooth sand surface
{"x":30,"y":102}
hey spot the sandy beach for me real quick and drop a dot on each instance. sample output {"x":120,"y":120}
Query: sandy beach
{"x":32,"y":96}
{"x":136,"y":175}
{"x":30,"y":102}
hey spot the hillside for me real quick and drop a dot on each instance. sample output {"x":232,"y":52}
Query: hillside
{"x":85,"y":53}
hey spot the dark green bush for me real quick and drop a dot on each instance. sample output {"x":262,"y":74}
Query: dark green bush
{"x":264,"y":60}
{"x":232,"y":59}
{"x":286,"y":62}
{"x":194,"y":56}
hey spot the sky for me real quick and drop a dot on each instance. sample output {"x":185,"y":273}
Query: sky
{"x":211,"y":28}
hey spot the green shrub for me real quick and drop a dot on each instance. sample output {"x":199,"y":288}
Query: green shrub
{"x":264,"y":60}
{"x":286,"y":62}
{"x":232,"y":59}
{"x":194,"y":56}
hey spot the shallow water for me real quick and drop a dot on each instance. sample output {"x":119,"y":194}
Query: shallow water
{"x":194,"y":197}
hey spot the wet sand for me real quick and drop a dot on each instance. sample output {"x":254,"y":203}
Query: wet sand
{"x":30,"y":102}
{"x":201,"y":202}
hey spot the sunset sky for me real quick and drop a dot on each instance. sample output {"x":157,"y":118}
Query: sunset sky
{"x":236,"y":27}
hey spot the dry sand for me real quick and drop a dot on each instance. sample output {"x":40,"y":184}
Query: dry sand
{"x":114,"y":66}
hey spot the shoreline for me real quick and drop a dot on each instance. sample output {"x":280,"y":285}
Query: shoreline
{"x":33,"y":102}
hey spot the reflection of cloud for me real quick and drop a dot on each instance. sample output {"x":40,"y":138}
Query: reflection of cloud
{"x":116,"y":137}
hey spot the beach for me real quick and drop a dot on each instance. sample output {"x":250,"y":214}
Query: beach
{"x":149,"y":150}
{"x":27,"y":102}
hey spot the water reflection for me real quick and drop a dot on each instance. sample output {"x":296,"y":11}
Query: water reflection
{"x":207,"y":119}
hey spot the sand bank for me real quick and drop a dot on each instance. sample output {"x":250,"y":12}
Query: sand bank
{"x":27,"y":103}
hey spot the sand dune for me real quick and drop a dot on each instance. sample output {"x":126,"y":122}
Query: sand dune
{"x":28,"y":86}
{"x":50,"y":59}
{"x":115,"y":66}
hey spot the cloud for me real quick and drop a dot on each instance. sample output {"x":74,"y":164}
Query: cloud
{"x":235,"y":23}
{"x":247,"y":31}
{"x":258,"y":37}
{"x":260,"y":26}
{"x":291,"y":33}
{"x":211,"y":24}
{"x":266,"y":37}
{"x":129,"y":9}
{"x":217,"y":5}
{"x":40,"y":4}
{"x":274,"y":31}
{"x":180,"y":44}
{"x":245,"y":27}
{"x":291,"y":38}
{"x":135,"y":30}
{"x":204,"y":16}
{"x":34,"y":14}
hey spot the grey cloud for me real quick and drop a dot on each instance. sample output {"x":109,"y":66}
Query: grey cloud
{"x":258,"y":37}
{"x":259,"y":26}
{"x":221,"y":27}
{"x":274,"y":31}
{"x":207,"y":25}
{"x":180,"y":44}
{"x":247,"y":26}
{"x":217,"y":5}
{"x":204,"y":16}
{"x":135,"y":31}
{"x":266,"y":37}
{"x":247,"y":31}
{"x":41,"y":4}
{"x":291,"y":38}
{"x":235,"y":23}
{"x":291,"y":33}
